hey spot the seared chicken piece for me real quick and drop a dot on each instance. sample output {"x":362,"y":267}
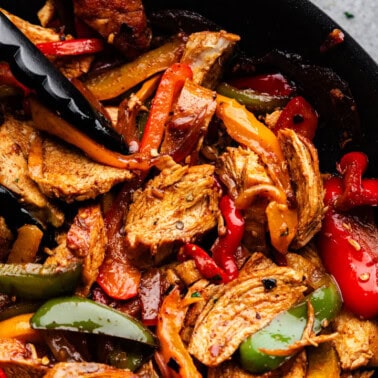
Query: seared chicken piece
{"x":241,"y":169}
{"x":60,"y":255}
{"x":36,"y":33}
{"x":303,"y":164}
{"x":192,"y":114}
{"x":87,"y":239}
{"x":65,"y":173}
{"x":19,"y":359}
{"x":240,"y":308}
{"x":122,"y":23}
{"x":14,"y":145}
{"x":308,"y":261}
{"x":206,"y":53}
{"x":87,"y":370}
{"x":357,"y":341}
{"x":71,"y":67}
{"x":177,"y":206}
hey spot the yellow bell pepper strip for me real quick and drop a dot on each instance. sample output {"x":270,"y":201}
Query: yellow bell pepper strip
{"x":169,"y":87}
{"x":282,"y":223}
{"x":25,"y":247}
{"x":48,"y":121}
{"x":114,"y":82}
{"x":247,"y":130}
{"x":18,"y":327}
{"x":172,"y":349}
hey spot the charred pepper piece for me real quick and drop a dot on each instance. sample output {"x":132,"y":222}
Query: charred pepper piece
{"x":84,"y":315}
{"x":34,"y":70}
{"x":37,"y":281}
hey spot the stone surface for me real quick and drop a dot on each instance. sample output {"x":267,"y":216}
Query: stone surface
{"x":359,"y":18}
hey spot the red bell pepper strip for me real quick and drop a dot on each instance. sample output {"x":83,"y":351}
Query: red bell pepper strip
{"x":348,"y":245}
{"x":224,"y":248}
{"x":7,"y":78}
{"x":70,"y":47}
{"x":150,"y":296}
{"x":117,"y":276}
{"x":357,"y":191}
{"x":274,"y":84}
{"x":170,"y":84}
{"x":2,"y":374}
{"x":204,"y":262}
{"x":299,"y":116}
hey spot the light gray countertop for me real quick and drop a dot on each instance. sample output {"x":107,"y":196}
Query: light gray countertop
{"x":359,"y":18}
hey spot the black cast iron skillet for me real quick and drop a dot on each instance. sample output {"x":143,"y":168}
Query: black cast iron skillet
{"x":294,"y":26}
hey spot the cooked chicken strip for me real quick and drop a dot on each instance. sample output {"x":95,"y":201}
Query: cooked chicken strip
{"x":177,"y":206}
{"x":239,"y":309}
{"x":87,"y":238}
{"x":65,"y":173}
{"x":241,"y":169}
{"x":121,"y":22}
{"x":14,"y":144}
{"x":356,"y":343}
{"x":18,"y":360}
{"x":303,"y":164}
{"x":206,"y":53}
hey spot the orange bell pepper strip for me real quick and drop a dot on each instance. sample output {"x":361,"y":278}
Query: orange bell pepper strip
{"x":247,"y":130}
{"x":172,"y":349}
{"x":169,"y":87}
{"x":18,"y":327}
{"x":47,"y":121}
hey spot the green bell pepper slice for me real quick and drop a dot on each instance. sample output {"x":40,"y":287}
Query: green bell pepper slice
{"x":37,"y":281}
{"x":85,"y":315}
{"x":254,"y":101}
{"x":287,"y":328}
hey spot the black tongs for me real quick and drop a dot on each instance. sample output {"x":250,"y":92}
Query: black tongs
{"x":34,"y":70}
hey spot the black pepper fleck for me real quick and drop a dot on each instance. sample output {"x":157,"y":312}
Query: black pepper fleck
{"x":269,"y":283}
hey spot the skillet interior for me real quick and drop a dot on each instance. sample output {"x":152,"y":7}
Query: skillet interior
{"x":294,"y":26}
{"x":299,"y":26}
